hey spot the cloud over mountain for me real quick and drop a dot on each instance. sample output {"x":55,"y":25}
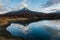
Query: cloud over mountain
{"x":46,"y":7}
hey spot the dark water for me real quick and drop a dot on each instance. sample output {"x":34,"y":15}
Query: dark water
{"x":36,"y":31}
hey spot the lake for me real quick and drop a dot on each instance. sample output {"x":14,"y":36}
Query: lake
{"x":42,"y":30}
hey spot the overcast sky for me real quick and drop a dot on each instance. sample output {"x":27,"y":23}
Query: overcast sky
{"x":34,"y":5}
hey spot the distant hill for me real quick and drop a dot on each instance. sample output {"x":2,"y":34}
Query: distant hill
{"x":57,"y":12}
{"x":25,"y":16}
{"x":24,"y":11}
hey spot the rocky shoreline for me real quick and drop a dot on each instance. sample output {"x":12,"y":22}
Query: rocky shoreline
{"x":5,"y":35}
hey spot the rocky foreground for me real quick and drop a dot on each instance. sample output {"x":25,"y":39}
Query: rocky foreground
{"x":5,"y":35}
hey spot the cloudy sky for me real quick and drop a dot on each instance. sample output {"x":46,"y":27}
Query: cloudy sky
{"x":34,"y":5}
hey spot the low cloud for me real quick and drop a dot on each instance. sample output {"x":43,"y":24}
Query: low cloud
{"x":52,"y":8}
{"x":55,"y":1}
{"x":4,"y":9}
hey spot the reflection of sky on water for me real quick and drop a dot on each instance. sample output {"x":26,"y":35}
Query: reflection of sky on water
{"x":36,"y":30}
{"x":16,"y":30}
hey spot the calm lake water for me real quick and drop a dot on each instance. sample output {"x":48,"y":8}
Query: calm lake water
{"x":42,"y":30}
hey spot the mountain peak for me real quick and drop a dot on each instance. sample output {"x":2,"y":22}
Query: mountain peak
{"x":25,"y":9}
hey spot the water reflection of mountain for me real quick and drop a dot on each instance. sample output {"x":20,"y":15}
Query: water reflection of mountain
{"x":37,"y":30}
